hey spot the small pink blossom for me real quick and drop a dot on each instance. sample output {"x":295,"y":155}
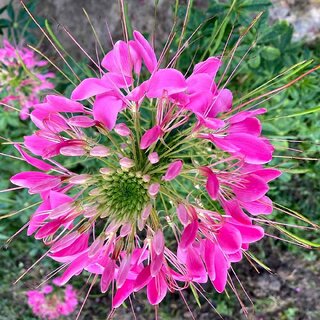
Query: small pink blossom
{"x":48,"y":303}
{"x":14,"y":79}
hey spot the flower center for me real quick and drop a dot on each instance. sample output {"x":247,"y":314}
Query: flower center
{"x":126,"y":195}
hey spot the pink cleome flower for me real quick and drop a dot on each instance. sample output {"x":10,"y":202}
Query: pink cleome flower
{"x":170,"y":197}
{"x":22,"y":78}
{"x":52,"y":302}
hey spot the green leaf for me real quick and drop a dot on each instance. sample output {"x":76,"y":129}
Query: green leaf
{"x":255,"y":61}
{"x":298,"y":239}
{"x":52,"y":35}
{"x":302,"y":113}
{"x":270,"y":53}
{"x":5,"y":23}
{"x":3,"y":9}
{"x":195,"y":294}
{"x":297,"y":171}
{"x":10,"y":11}
{"x":259,"y":262}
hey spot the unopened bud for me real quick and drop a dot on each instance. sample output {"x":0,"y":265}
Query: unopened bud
{"x":154,"y":189}
{"x":153,"y":157}
{"x":73,"y":151}
{"x":100,"y":151}
{"x":80,"y":179}
{"x":126,"y":163}
{"x":122,"y":129}
{"x":106,"y":171}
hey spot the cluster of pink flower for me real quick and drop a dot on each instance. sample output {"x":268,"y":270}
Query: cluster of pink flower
{"x":22,"y":78}
{"x":176,"y":180}
{"x":48,"y":303}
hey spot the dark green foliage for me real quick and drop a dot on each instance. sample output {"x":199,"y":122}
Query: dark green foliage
{"x":18,"y":26}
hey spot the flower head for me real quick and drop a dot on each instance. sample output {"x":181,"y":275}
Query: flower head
{"x":164,"y":201}
{"x":52,"y":302}
{"x":22,"y":78}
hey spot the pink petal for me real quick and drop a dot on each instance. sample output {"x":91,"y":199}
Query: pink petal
{"x":251,"y":188}
{"x":106,"y":108}
{"x":213,"y":185}
{"x":146,"y":52}
{"x":233,"y":209}
{"x":143,"y":278}
{"x":37,"y":144}
{"x":156,"y":264}
{"x":166,"y":81}
{"x":209,"y":66}
{"x":211,"y":123}
{"x":57,"y":199}
{"x":37,"y":163}
{"x":35,"y":181}
{"x":249,"y":126}
{"x":221,"y":267}
{"x":189,"y":234}
{"x":52,"y":121}
{"x":49,"y":229}
{"x":123,"y":271}
{"x":268,"y":174}
{"x":123,"y":293}
{"x":235,"y":257}
{"x":251,"y":233}
{"x":38,"y":217}
{"x":260,"y":206}
{"x":200,"y":82}
{"x":195,"y":266}
{"x":114,"y":81}
{"x":254,"y":149}
{"x":240,"y":116}
{"x":199,"y":102}
{"x":107,"y":276}
{"x":229,"y":239}
{"x":74,"y":268}
{"x":138,"y":92}
{"x":64,"y":242}
{"x":70,"y":249}
{"x":173,"y":170}
{"x":150,"y":136}
{"x":62,"y":104}
{"x":222,"y":102}
{"x":119,"y":59}
{"x":157,"y":289}
{"x":209,"y":257}
{"x":68,"y":148}
{"x":89,"y":87}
